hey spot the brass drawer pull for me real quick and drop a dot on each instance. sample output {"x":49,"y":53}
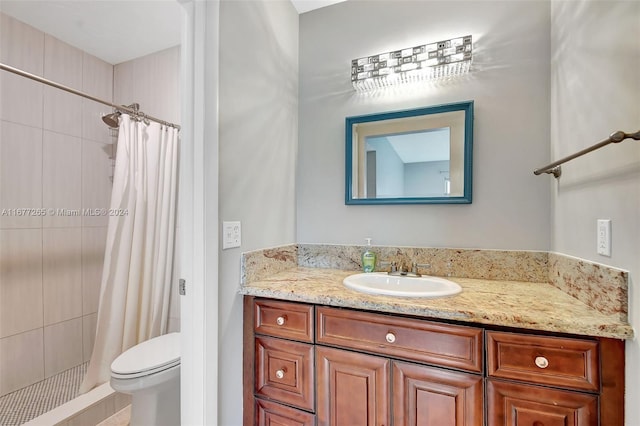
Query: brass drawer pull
{"x":281,"y":320}
{"x":542,"y":362}
{"x":390,"y":337}
{"x":280,"y":373}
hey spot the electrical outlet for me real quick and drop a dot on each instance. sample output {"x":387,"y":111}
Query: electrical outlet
{"x":604,"y":237}
{"x":231,"y":235}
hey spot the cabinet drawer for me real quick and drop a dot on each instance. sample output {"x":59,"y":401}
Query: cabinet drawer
{"x":556,"y":361}
{"x":423,"y":341}
{"x":284,"y":319}
{"x":272,"y":414}
{"x":284,"y":371}
{"x":515,"y":404}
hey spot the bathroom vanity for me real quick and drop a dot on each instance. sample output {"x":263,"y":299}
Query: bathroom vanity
{"x":516,"y":347}
{"x":308,"y":364}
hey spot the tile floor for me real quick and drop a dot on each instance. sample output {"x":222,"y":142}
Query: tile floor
{"x":27,"y":403}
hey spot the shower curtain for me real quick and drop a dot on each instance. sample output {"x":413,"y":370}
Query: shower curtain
{"x":136,"y":277}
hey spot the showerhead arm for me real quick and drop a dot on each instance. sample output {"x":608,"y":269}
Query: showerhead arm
{"x":112,"y":120}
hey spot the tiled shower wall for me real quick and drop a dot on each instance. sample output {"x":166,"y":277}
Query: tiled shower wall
{"x":56,"y":153}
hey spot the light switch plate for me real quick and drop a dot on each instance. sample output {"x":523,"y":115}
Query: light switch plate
{"x":604,"y":237}
{"x":231,"y":235}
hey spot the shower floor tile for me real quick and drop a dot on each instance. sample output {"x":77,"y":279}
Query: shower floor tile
{"x":27,"y":403}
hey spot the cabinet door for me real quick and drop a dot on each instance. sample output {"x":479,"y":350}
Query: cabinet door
{"x":427,"y":396}
{"x":352,"y":388}
{"x":513,"y":404}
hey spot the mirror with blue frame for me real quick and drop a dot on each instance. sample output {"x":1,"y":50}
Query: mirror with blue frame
{"x":414,"y":156}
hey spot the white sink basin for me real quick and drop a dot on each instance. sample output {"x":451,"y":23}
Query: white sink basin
{"x":393,"y":285}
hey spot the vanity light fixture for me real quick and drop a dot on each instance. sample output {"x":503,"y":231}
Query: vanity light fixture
{"x":447,"y":58}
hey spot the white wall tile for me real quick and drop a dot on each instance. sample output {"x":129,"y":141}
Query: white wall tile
{"x":97,"y":80}
{"x":153,"y":82}
{"x":62,"y":346}
{"x":36,"y":170}
{"x":20,"y":280}
{"x":21,"y":100}
{"x":61,"y":184}
{"x":123,"y":83}
{"x":164,"y":103}
{"x":21,"y":360}
{"x":22,"y":47}
{"x":62,"y":110}
{"x":62,"y":274}
{"x":88,"y":335}
{"x":62,"y":62}
{"x":93,"y":246}
{"x":93,"y":128}
{"x":97,"y":77}
{"x":97,"y":170}
{"x":20,"y":174}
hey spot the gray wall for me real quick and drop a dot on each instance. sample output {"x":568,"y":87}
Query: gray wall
{"x":510,"y":87}
{"x":258,"y":139}
{"x":388,"y":164}
{"x":595,"y":82}
{"x":426,"y":177}
{"x":515,"y":90}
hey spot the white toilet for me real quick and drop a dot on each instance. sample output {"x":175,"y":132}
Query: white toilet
{"x":150,"y":373}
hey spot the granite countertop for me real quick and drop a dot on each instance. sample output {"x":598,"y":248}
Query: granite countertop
{"x":528,"y":305}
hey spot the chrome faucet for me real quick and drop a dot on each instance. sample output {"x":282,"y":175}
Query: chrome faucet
{"x":404,"y":269}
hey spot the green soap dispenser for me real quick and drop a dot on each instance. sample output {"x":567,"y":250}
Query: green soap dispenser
{"x":368,"y":258}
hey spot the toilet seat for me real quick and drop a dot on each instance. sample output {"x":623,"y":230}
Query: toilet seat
{"x":149,"y":357}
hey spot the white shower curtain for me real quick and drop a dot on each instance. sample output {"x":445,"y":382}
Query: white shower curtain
{"x":136,"y":279}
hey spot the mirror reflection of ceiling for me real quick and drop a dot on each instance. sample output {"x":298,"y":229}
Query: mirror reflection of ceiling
{"x":411,"y":148}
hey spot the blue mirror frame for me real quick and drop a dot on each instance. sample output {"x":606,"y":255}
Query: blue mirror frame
{"x":465,"y":198}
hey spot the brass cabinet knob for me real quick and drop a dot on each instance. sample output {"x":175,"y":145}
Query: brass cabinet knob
{"x":281,"y":320}
{"x":280,"y":374}
{"x":390,"y":337}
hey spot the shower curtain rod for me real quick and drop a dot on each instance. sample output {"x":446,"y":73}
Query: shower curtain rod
{"x":121,"y":108}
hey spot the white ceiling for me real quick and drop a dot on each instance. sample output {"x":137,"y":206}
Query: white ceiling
{"x":419,"y":147}
{"x":303,"y":6}
{"x":114,"y":30}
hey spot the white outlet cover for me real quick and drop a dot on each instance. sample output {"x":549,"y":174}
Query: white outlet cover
{"x":604,"y":237}
{"x":231,"y":234}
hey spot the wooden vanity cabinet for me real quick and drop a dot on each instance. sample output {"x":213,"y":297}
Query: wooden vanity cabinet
{"x":389,"y":384}
{"x":550,"y":380}
{"x":316,"y":365}
{"x":279,"y":366}
{"x":369,"y":369}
